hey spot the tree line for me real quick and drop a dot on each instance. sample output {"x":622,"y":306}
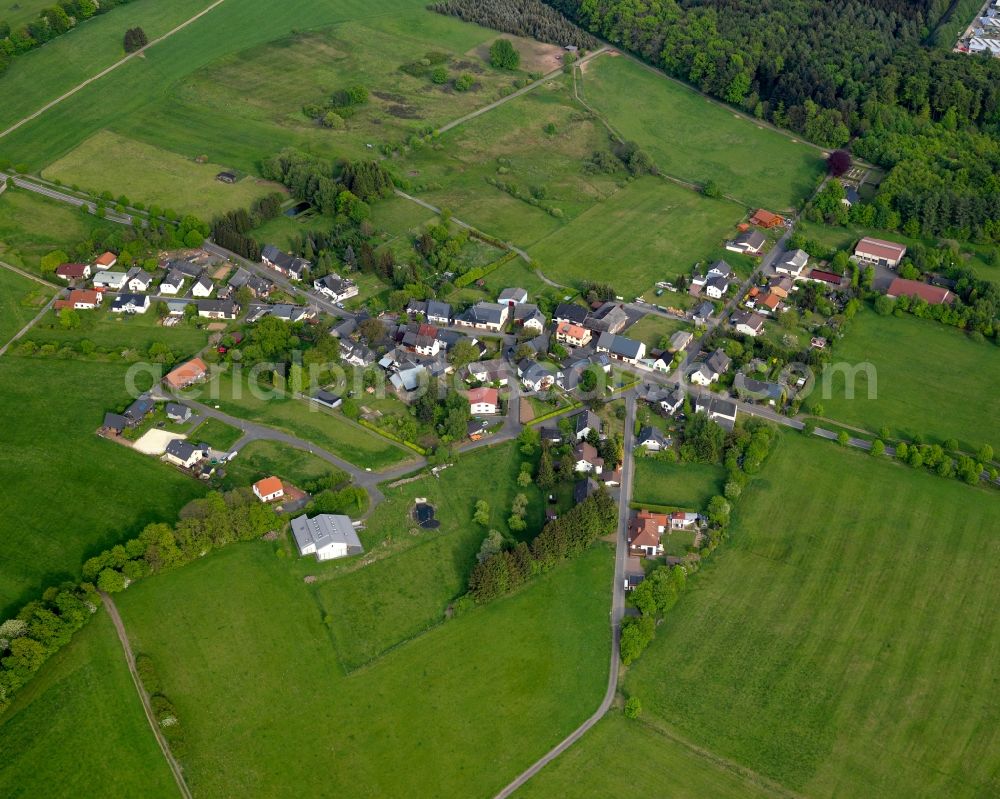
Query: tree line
{"x":837,"y":72}
{"x":50,"y":23}
{"x":520,"y":17}
{"x":42,"y":627}
{"x":232,"y":229}
{"x":563,"y":538}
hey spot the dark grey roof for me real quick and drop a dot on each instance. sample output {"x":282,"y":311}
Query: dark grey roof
{"x":752,"y":238}
{"x":650,"y":433}
{"x":283,"y":260}
{"x":719,"y":362}
{"x":570,"y":312}
{"x":484,"y":313}
{"x":140,"y":408}
{"x":326,"y":398}
{"x":115,"y":421}
{"x":174,"y":278}
{"x":175,"y":409}
{"x":228,"y":307}
{"x":705,"y":310}
{"x":180,"y":448}
{"x":438,"y":309}
{"x":585,"y":419}
{"x":123,"y":300}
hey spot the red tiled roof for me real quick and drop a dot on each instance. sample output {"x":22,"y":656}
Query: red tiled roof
{"x":105,"y":259}
{"x":187,"y":373}
{"x":771,"y":301}
{"x":427,"y":330}
{"x":765,"y":218}
{"x":71,"y":270}
{"x":267,"y":486}
{"x":571,"y":330}
{"x":826,"y":277}
{"x":935,"y":295}
{"x":880,"y":248}
{"x":487,"y":395}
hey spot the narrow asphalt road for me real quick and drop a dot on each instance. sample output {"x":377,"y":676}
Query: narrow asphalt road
{"x":108,"y":70}
{"x":175,"y":767}
{"x":616,"y":613}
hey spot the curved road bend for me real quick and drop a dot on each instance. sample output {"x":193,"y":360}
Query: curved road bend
{"x":175,"y":767}
{"x":617,"y":612}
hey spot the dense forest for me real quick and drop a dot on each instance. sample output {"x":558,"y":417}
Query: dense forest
{"x":839,"y":73}
{"x":520,"y":17}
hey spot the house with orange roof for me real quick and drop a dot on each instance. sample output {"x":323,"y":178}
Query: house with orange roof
{"x":574,"y":335}
{"x":767,"y":219}
{"x":644,"y":532}
{"x":106,"y":260}
{"x":187,"y":373}
{"x":269,"y":489}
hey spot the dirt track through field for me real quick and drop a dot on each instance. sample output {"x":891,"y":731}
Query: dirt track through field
{"x":112,"y":68}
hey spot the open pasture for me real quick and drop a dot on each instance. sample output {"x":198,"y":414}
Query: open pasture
{"x":695,"y":139}
{"x":843,"y":640}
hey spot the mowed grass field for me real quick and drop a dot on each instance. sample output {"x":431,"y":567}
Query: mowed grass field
{"x":70,"y":494}
{"x":649,"y":231}
{"x":32,"y":226}
{"x":112,"y":330}
{"x":931,"y":380}
{"x":694,"y":139}
{"x":844,"y":641}
{"x":78,"y":728}
{"x":618,"y":750}
{"x":109,"y":162}
{"x":260,"y":459}
{"x":329,"y":430}
{"x":42,"y":75}
{"x":686,"y":485}
{"x":20,"y":301}
{"x":417,"y":573}
{"x":456,"y":712}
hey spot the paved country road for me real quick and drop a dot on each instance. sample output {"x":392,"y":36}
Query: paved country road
{"x":175,"y":767}
{"x":617,"y":612}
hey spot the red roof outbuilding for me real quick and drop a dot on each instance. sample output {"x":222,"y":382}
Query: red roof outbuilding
{"x":935,"y":295}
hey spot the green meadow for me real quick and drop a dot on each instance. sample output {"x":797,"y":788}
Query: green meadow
{"x":843,"y":640}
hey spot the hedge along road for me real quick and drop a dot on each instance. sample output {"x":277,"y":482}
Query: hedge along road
{"x":108,"y":70}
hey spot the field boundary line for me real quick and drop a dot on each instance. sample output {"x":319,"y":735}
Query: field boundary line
{"x":107,"y":70}
{"x":116,"y":619}
{"x":30,"y":276}
{"x":45,"y":309}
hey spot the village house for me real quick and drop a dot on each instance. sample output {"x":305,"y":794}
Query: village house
{"x":792,"y":264}
{"x":747,"y":323}
{"x":80,"y":300}
{"x":106,"y":260}
{"x":716,"y":365}
{"x":512,"y":296}
{"x":184,"y":454}
{"x":335,"y":287}
{"x":750,"y":242}
{"x":484,"y":316}
{"x":644,"y":533}
{"x":608,"y":318}
{"x":483,"y":401}
{"x":492,"y":371}
{"x":780,"y":287}
{"x":933,"y":295}
{"x":218,"y":309}
{"x":680,"y":340}
{"x":586,"y":459}
{"x":750,"y":388}
{"x":719,"y":410}
{"x":130,"y":303}
{"x":203,"y":287}
{"x":570,"y":312}
{"x":534,"y":377}
{"x":291,"y":313}
{"x":177,"y":413}
{"x":769,"y":303}
{"x":269,"y":489}
{"x":673,"y":401}
{"x":258,"y":286}
{"x":652,"y":440}
{"x":288,"y":265}
{"x":355,"y":353}
{"x":326,"y":536}
{"x":73,"y":271}
{"x":434,"y":311}
{"x":113,"y":281}
{"x":683,"y":520}
{"x":621,"y":348}
{"x":172,"y":283}
{"x":879,"y":252}
{"x":186,"y":374}
{"x":140,"y":408}
{"x":138,"y":279}
{"x":529,"y":318}
{"x":766,"y":219}
{"x":572,"y":334}
{"x":703,"y":314}
{"x":583,"y":422}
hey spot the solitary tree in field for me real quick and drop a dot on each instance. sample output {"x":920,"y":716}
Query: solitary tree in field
{"x":135,"y":39}
{"x":839,"y":162}
{"x":503,"y":55}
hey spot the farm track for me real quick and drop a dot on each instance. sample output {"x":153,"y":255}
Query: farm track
{"x":108,"y":70}
{"x":175,"y":768}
